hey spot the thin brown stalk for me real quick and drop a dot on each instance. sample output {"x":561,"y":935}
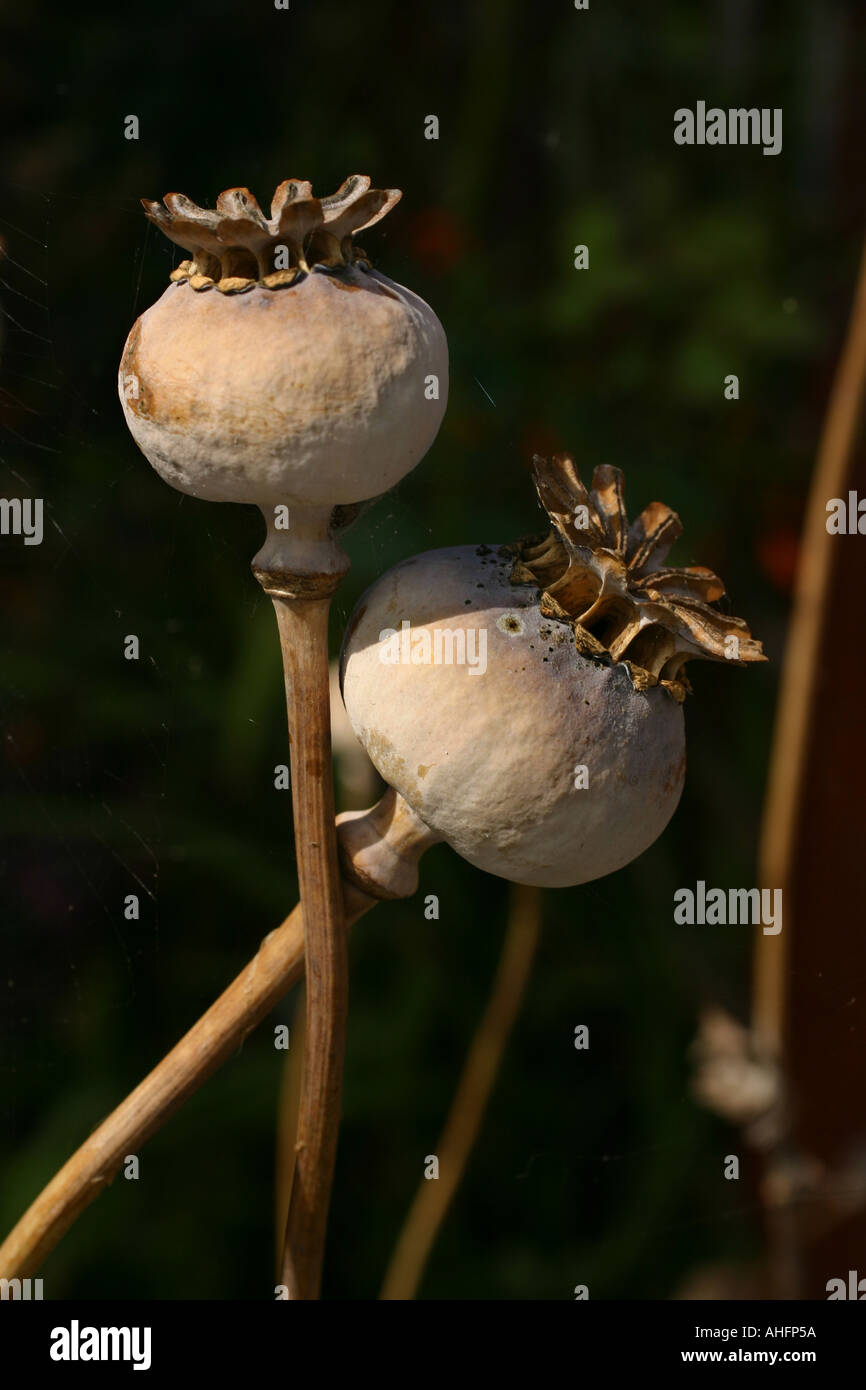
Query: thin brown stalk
{"x":434,"y":1196}
{"x":388,"y":842}
{"x":303,"y":625}
{"x":278,"y":964}
{"x":795,"y":720}
{"x":288,"y":1107}
{"x":797,"y":726}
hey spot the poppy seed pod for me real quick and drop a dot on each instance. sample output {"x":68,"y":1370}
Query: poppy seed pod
{"x":527,"y":701}
{"x":279,"y":367}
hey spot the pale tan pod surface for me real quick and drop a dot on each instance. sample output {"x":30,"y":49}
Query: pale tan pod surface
{"x":307,"y":395}
{"x":489,"y":760}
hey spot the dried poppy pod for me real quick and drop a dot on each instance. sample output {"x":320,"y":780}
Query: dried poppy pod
{"x":279,"y":367}
{"x":528,"y":706}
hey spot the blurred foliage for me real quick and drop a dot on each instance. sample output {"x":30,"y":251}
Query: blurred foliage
{"x":156,"y":777}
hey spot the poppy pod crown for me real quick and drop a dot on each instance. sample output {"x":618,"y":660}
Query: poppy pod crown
{"x":234,"y":247}
{"x":608,"y":580}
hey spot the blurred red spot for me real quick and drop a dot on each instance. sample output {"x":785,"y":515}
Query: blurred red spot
{"x":46,"y":899}
{"x":539,"y":439}
{"x":437,"y":238}
{"x":778,"y":549}
{"x":20,"y":598}
{"x":24,"y":741}
{"x":466,"y":430}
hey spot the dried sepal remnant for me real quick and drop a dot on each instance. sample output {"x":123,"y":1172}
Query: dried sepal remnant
{"x":609,"y":581}
{"x":234,"y":247}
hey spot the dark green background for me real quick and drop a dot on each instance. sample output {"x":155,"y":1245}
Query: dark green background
{"x":157,"y":777}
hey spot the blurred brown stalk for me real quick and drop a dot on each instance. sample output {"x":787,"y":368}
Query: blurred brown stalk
{"x":807,"y":1005}
{"x":434,"y":1196}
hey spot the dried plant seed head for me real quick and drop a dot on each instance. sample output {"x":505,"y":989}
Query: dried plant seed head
{"x":278,"y":367}
{"x":608,"y":580}
{"x":542,"y":751}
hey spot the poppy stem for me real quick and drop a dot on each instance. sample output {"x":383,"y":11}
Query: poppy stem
{"x":213,"y":1039}
{"x":300,"y":569}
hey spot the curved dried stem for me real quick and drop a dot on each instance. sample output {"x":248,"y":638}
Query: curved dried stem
{"x":463,"y":1124}
{"x":278,"y":964}
{"x":795,"y":720}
